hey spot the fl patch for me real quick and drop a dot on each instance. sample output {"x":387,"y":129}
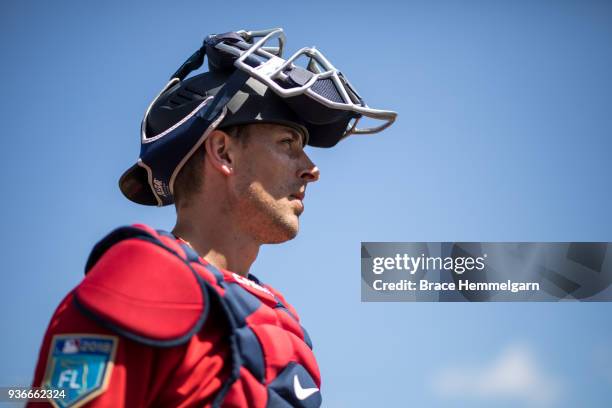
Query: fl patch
{"x":80,"y":364}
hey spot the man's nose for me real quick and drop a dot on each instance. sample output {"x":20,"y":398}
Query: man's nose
{"x":310,"y":172}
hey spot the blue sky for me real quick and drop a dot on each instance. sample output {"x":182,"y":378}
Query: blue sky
{"x":503,"y":135}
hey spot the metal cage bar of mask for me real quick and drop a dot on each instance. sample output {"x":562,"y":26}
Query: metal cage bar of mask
{"x":275,"y":67}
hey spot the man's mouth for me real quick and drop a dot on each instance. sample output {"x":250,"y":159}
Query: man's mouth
{"x":298,"y":198}
{"x":299,"y":195}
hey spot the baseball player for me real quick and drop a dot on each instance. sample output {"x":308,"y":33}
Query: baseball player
{"x":175,"y":319}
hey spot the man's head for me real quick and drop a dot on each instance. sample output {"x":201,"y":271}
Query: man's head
{"x":246,"y":83}
{"x":256,"y":174}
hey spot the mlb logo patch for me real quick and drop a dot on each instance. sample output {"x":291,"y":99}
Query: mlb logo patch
{"x":80,"y":364}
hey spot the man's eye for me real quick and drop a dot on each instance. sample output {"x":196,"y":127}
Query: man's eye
{"x":288,"y":141}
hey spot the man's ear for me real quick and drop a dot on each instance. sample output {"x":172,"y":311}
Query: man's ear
{"x":219,"y":151}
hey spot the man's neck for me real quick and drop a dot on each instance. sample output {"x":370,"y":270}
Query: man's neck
{"x":217,"y":240}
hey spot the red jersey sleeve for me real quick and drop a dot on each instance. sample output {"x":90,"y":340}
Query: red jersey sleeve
{"x":99,"y":368}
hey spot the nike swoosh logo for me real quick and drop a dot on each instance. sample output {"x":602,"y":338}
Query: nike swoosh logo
{"x":300,"y":392}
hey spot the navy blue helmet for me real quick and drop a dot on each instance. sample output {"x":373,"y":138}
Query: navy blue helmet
{"x":247,"y":81}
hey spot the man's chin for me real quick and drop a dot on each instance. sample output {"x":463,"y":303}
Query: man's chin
{"x":285,"y":232}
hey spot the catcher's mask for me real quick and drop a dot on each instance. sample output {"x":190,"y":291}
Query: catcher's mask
{"x":248,"y":81}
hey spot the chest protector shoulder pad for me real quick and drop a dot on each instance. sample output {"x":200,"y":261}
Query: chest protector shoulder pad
{"x":138,"y":284}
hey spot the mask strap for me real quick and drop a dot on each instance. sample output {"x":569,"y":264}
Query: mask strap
{"x":196,"y":59}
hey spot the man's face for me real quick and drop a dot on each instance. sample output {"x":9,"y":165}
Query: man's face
{"x":267,"y":190}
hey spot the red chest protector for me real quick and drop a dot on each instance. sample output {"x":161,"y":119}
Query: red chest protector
{"x":148,"y":287}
